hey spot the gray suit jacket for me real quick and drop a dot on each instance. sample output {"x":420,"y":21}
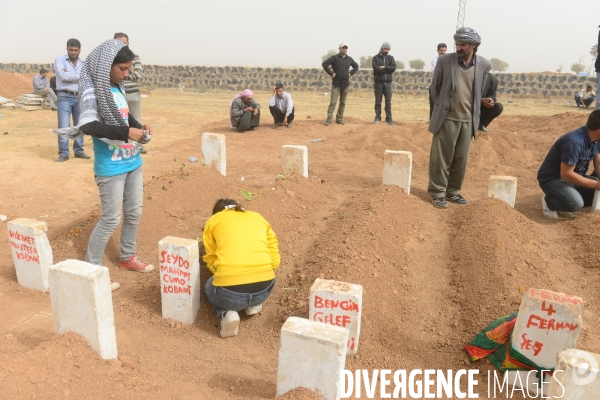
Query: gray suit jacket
{"x":442,"y":88}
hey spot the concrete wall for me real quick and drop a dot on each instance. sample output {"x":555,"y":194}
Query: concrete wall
{"x":315,"y":79}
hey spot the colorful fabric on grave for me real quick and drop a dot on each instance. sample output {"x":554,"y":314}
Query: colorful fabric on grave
{"x":496,"y":335}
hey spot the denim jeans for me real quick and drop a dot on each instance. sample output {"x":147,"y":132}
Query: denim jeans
{"x":223,"y":300}
{"x":67,"y":105}
{"x":565,"y":196}
{"x":126,"y":191}
{"x":587,"y":101}
{"x":336,"y":93}
{"x":383,"y":89}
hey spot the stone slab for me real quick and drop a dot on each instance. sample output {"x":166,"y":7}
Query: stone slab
{"x":547,"y":323}
{"x":503,"y":188}
{"x":340,"y":304}
{"x":580,"y":379}
{"x":312,"y":355}
{"x":82,"y":303}
{"x":179,"y":278}
{"x":397,"y":169}
{"x":596,"y":202}
{"x":213,"y":152}
{"x":294,"y":159}
{"x":31,"y":252}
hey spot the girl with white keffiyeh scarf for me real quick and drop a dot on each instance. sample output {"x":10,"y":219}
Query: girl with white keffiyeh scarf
{"x":117,"y":161}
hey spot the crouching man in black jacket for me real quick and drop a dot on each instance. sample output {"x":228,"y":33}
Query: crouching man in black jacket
{"x":384,"y":66}
{"x":341,"y":74}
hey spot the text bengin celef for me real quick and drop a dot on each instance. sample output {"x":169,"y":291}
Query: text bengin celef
{"x":434,"y":384}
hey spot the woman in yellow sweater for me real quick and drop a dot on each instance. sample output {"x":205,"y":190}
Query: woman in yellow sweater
{"x":242,"y":252}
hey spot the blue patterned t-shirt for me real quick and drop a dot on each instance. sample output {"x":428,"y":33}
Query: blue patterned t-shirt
{"x":116,"y":157}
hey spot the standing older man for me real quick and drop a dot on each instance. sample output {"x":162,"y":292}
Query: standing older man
{"x":456,"y":91}
{"x":244,"y":111}
{"x":341,"y":74}
{"x":384,"y":66}
{"x":41,"y":87}
{"x":67,"y":69}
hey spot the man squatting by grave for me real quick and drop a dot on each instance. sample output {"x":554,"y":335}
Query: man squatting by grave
{"x":562,"y":175}
{"x":281,"y":107}
{"x":244,"y":112}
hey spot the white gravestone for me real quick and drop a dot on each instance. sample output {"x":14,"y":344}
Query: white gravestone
{"x":340,"y":304}
{"x":503,"y":188}
{"x":213,"y":152}
{"x":596,"y":202}
{"x":82,"y":303}
{"x":179,"y":278}
{"x":397,"y":169}
{"x":547,"y":323}
{"x":294,"y":159}
{"x":312,"y":355}
{"x":580,"y":379}
{"x":31,"y":252}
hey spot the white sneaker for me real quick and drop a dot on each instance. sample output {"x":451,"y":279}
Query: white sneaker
{"x":548,"y":213}
{"x":253,"y":310}
{"x":114,"y":286}
{"x":230,"y":324}
{"x":566,"y":214}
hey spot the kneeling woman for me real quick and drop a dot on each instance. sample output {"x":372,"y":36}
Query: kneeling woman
{"x":242,"y":252}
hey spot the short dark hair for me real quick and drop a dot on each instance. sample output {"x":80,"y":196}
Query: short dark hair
{"x":222,"y":203}
{"x":43,"y":71}
{"x":593,"y":122}
{"x":442,"y":45}
{"x":73,"y":43}
{"x":278,"y":85}
{"x":124,"y":55}
{"x":120,"y":35}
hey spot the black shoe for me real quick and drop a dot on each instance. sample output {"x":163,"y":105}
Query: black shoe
{"x":377,"y":120}
{"x":251,"y":128}
{"x":390,"y":122}
{"x":62,"y":159}
{"x":142,"y":150}
{"x":483,"y":128}
{"x":82,"y":155}
{"x":327,"y":123}
{"x":457,"y":198}
{"x":341,"y":122}
{"x":440,"y":202}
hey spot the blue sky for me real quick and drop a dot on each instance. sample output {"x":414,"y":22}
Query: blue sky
{"x":531,"y":35}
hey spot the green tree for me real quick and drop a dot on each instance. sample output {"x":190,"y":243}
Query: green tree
{"x":329,"y":53}
{"x":498,"y":65}
{"x":416,"y":64}
{"x":578,"y":66}
{"x":366,"y":62}
{"x":594,"y":51}
{"x":400,"y":65}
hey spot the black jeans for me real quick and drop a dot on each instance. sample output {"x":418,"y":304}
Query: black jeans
{"x":565,"y":196}
{"x":383,"y":89}
{"x":248,"y":120}
{"x":488,"y":114}
{"x":279,"y":115}
{"x":430,"y":103}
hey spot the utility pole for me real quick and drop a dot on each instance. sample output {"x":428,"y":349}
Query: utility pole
{"x":460,"y":21}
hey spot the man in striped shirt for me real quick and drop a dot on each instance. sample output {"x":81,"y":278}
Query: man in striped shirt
{"x":132,"y":88}
{"x":281,"y":107}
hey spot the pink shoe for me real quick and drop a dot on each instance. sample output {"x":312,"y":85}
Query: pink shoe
{"x":136,"y":264}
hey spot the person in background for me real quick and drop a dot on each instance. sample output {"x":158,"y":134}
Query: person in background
{"x":491,"y":108}
{"x":585,"y":98}
{"x":563,"y":174}
{"x":441,"y":50}
{"x":340,"y":84}
{"x":132,"y":87}
{"x":384,"y":66}
{"x":281,"y":106}
{"x":242,"y":252}
{"x":244,"y":112}
{"x":41,"y":87}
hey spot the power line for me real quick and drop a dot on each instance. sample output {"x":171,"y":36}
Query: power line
{"x":120,"y":11}
{"x":460,"y":20}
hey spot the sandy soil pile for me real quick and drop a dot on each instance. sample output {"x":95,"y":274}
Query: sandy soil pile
{"x":12,"y":84}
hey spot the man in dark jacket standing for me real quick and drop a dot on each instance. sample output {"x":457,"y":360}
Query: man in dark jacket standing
{"x":384,"y":66}
{"x":341,"y":74}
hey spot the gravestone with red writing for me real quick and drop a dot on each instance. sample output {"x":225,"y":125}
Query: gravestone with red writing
{"x":82,"y":303}
{"x":213,"y":152}
{"x":580,"y":376}
{"x":31,"y":252}
{"x":312,"y":355}
{"x":179,"y":278}
{"x":548,"y":323}
{"x":340,"y":304}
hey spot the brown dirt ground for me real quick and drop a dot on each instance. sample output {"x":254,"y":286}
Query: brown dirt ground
{"x":432,"y":279}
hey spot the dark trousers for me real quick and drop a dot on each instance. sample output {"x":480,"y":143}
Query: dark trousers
{"x":383,"y":89}
{"x":587,"y":101}
{"x":565,"y":196}
{"x":488,"y":114}
{"x":279,"y":115}
{"x":336,"y":93}
{"x":430,"y":103}
{"x":248,"y":121}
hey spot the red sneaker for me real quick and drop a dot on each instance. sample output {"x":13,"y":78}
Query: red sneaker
{"x":136,"y":264}
{"x":114,"y":285}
